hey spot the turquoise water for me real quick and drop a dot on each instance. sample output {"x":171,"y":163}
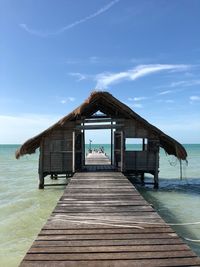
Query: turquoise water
{"x":24,"y":209}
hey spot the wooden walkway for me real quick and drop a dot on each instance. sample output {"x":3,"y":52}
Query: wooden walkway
{"x":97,"y":159}
{"x":101,"y":220}
{"x":96,"y":162}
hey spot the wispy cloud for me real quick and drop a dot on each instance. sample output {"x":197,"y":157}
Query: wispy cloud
{"x":79,"y":75}
{"x":168,"y":101}
{"x":71,"y":25}
{"x":86,"y":61}
{"x":135,"y":101}
{"x":166,"y":92}
{"x":195,"y":98}
{"x":137,"y":98}
{"x":94,"y":60}
{"x":68,"y":99}
{"x":106,"y":79}
{"x":185,"y":83}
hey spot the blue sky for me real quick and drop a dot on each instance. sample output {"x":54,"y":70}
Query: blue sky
{"x":53,"y":54}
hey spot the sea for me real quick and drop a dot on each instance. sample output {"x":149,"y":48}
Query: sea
{"x":24,"y":209}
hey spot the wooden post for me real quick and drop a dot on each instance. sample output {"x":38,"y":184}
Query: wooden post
{"x":156,"y":182}
{"x":111,"y":144}
{"x":143,"y":148}
{"x":41,"y":181}
{"x":122,"y":151}
{"x":40,"y":171}
{"x":83,"y":148}
{"x":143,"y":144}
{"x":181,"y":171}
{"x":73,"y":151}
{"x":142,"y":178}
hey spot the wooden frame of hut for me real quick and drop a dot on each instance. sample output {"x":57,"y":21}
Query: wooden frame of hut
{"x":62,"y":146}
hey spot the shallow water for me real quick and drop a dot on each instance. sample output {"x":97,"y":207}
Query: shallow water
{"x":24,"y":209}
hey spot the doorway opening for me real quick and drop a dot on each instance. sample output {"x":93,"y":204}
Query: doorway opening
{"x":98,"y":147}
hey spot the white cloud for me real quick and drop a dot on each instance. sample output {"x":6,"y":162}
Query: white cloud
{"x":165,"y":92}
{"x":79,"y":75}
{"x":137,"y":98}
{"x":71,"y":25}
{"x":185,"y":83}
{"x":195,"y":98}
{"x":68,"y":99}
{"x":71,"y":99}
{"x":94,"y":60}
{"x":106,"y":79}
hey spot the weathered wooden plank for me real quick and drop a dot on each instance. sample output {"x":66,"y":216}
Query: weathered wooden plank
{"x":104,"y":231}
{"x":109,"y":256}
{"x":146,"y":248}
{"x":114,"y":242}
{"x":102,"y":220}
{"x":116,"y":263}
{"x":102,"y":203}
{"x":94,"y":209}
{"x":91,"y":224}
{"x":105,"y":236}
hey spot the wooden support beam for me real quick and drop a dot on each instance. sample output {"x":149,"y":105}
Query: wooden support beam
{"x":122,"y":151}
{"x":156,"y":179}
{"x":41,"y":181}
{"x":73,"y":150}
{"x":55,"y":184}
{"x":83,"y":148}
{"x":102,"y":120}
{"x":100,"y":126}
{"x":111,"y":144}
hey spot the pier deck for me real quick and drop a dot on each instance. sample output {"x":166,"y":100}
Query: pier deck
{"x":97,"y":162}
{"x":101,"y":220}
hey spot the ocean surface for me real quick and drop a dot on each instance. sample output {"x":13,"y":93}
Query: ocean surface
{"x":24,"y":209}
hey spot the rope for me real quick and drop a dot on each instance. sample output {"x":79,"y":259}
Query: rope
{"x":192,"y":240}
{"x":101,"y":223}
{"x":110,"y":223}
{"x":133,"y":222}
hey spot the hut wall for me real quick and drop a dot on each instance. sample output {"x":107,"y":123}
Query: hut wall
{"x":56,"y":151}
{"x":140,"y":161}
{"x":144,"y":160}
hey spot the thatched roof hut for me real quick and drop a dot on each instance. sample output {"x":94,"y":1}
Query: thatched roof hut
{"x":108,"y":104}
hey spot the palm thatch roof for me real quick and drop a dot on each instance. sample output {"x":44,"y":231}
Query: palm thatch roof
{"x":111,"y":106}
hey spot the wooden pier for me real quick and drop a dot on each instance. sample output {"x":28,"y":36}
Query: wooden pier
{"x":102,"y":220}
{"x":95,"y":162}
{"x":97,"y":158}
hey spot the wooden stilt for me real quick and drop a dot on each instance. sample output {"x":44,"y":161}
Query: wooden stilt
{"x":142,"y":178}
{"x":181,"y":170}
{"x":73,"y":151}
{"x":156,"y":183}
{"x":41,"y":181}
{"x":111,"y":144}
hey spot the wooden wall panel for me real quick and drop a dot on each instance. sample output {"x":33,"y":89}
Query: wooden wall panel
{"x":140,"y":161}
{"x":133,"y":129}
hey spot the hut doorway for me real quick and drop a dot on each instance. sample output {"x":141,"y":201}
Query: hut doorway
{"x":98,"y":149}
